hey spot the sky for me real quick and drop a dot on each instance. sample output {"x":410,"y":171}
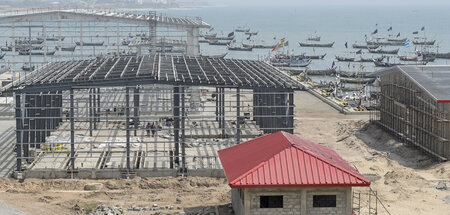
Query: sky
{"x":328,"y":2}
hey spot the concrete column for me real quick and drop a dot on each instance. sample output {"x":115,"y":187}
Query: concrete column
{"x":106,"y":38}
{"x":81,"y":39}
{"x":118,"y":38}
{"x":247,"y":201}
{"x":127,"y":124}
{"x":193,"y":47}
{"x":176,"y":122}
{"x":72,"y":132}
{"x":303,"y":209}
{"x":44,"y":34}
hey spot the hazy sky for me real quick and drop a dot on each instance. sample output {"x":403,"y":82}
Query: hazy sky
{"x":329,"y":2}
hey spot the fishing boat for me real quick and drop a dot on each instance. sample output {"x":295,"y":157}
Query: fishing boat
{"x":209,"y":35}
{"x":237,"y":48}
{"x":434,"y":54}
{"x":242,"y":29}
{"x":27,"y":52}
{"x":218,"y":43}
{"x":203,"y":41}
{"x":27,"y":41}
{"x":424,"y":42}
{"x":358,"y":80}
{"x":415,"y":32}
{"x":259,"y":46}
{"x":382,"y":51}
{"x":89,"y":43}
{"x":348,"y":74}
{"x":385,"y":43}
{"x":397,"y":39}
{"x":53,"y":38}
{"x":285,"y":56}
{"x":314,"y":38}
{"x":290,"y":62}
{"x":386,"y":64}
{"x":27,"y":68}
{"x":251,"y":33}
{"x":66,"y":48}
{"x":365,"y":46}
{"x":219,"y":38}
{"x":327,"y":45}
{"x":2,"y":55}
{"x":417,"y":58}
{"x":215,"y":56}
{"x":358,"y":59}
{"x":315,"y":57}
{"x":323,"y":72}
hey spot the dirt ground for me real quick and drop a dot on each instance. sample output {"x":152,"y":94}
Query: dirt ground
{"x":404,"y":178}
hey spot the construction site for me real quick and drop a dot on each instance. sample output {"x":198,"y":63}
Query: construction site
{"x":139,"y":131}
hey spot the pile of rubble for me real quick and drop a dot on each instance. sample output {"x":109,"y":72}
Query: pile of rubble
{"x":106,"y":210}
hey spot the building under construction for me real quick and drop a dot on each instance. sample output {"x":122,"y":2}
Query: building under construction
{"x":151,"y":115}
{"x":414,"y":105}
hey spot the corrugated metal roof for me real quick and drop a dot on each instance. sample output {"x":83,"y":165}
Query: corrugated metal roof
{"x":433,"y":79}
{"x":283,"y":159}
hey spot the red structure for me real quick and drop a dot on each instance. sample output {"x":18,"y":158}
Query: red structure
{"x":282,"y":160}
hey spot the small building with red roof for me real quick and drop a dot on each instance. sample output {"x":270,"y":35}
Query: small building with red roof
{"x":281,"y":173}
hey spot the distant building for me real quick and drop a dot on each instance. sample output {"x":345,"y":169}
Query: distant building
{"x":414,"y":105}
{"x":281,"y":173}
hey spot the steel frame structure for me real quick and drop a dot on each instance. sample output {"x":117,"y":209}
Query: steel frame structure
{"x":97,"y":114}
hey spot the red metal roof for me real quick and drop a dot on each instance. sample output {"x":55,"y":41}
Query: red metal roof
{"x":283,"y":159}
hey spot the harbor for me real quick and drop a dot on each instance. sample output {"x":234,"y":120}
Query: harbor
{"x":236,"y":109}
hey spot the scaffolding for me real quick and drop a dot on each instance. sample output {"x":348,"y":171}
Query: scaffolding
{"x":413,"y":105}
{"x":149,"y":115}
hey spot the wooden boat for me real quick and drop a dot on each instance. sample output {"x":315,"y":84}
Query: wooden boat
{"x":382,"y":51}
{"x":365,"y":46}
{"x":209,"y":35}
{"x":66,"y":48}
{"x":219,"y":38}
{"x":259,"y":46}
{"x":358,"y":59}
{"x":327,"y":45}
{"x":251,"y":33}
{"x":26,"y":41}
{"x":385,"y":43}
{"x":242,"y":29}
{"x":433,"y":54}
{"x":285,"y":56}
{"x":89,"y":43}
{"x":397,"y":40}
{"x":215,"y":56}
{"x":290,"y":63}
{"x":27,"y":68}
{"x":323,"y":72}
{"x":218,"y":43}
{"x":424,"y":42}
{"x":203,"y":41}
{"x":314,"y":38}
{"x":2,"y":55}
{"x":237,"y":48}
{"x":52,"y":38}
{"x":316,"y":57}
{"x":37,"y":53}
{"x":408,"y":58}
{"x":386,"y":64}
{"x":358,"y":80}
{"x":348,"y":74}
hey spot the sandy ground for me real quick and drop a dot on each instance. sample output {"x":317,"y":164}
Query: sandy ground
{"x":405,"y":178}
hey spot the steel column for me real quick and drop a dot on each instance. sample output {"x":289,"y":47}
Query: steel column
{"x":176,"y":124}
{"x":183,"y":131}
{"x":98,"y":105}
{"x":127,"y":124}
{"x":90,"y":112}
{"x":19,"y":132}
{"x":238,"y":115}
{"x":136,"y":110}
{"x":72,"y":132}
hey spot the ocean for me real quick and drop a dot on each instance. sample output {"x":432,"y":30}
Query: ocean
{"x":339,"y":24}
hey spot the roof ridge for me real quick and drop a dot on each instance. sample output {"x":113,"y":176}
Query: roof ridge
{"x":331,"y":164}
